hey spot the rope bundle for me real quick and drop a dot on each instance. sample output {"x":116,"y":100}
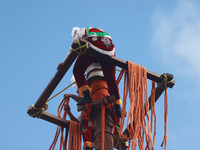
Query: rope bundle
{"x":74,"y":132}
{"x":135,"y":83}
{"x":140,"y":127}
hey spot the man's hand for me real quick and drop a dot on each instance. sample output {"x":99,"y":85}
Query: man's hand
{"x":67,"y":108}
{"x":67,"y":96}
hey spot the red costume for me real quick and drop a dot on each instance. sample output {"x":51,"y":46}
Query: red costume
{"x":101,"y":42}
{"x":86,"y":132}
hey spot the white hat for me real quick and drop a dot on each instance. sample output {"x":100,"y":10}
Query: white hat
{"x":77,"y":32}
{"x":74,"y":31}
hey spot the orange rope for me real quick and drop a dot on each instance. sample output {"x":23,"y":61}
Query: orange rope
{"x":153,"y":112}
{"x":135,"y":83}
{"x":74,"y":136}
{"x":165,"y":115}
{"x":102,"y":122}
{"x":59,"y":128}
{"x":120,"y":76}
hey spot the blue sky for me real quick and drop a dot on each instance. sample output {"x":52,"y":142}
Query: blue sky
{"x":35,"y":36}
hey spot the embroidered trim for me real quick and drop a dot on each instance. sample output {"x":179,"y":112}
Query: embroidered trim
{"x":110,"y":53}
{"x":106,"y":41}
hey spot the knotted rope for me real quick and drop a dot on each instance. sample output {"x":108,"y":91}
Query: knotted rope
{"x":79,"y":49}
{"x":164,"y":82}
{"x":39,"y":110}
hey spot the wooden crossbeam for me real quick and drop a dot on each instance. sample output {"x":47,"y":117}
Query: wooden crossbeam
{"x":122,"y":64}
{"x":97,"y":103}
{"x":55,"y":80}
{"x":50,"y":118}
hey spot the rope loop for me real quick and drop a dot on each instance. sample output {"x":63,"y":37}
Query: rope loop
{"x":79,"y":49}
{"x":40,"y":110}
{"x":95,"y":135}
{"x":164,"y":82}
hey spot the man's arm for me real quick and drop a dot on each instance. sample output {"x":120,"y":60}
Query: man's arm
{"x":67,"y":108}
{"x":75,"y":97}
{"x":71,"y":116}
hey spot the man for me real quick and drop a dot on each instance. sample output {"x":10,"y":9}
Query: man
{"x":100,"y":41}
{"x":86,"y":131}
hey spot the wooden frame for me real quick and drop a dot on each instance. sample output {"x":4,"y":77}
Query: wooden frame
{"x":60,"y":74}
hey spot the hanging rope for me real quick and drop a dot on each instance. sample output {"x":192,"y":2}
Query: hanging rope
{"x":63,"y":142}
{"x":153,"y":111}
{"x":135,"y":83}
{"x":163,"y":85}
{"x":165,"y":116}
{"x":74,"y":132}
{"x":75,"y":136}
{"x":120,"y":75}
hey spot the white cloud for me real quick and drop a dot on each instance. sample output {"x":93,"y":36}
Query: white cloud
{"x":176,"y":37}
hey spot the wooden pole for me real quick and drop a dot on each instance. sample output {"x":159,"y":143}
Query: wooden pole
{"x":109,"y":138}
{"x":55,"y":80}
{"x":100,"y":91}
